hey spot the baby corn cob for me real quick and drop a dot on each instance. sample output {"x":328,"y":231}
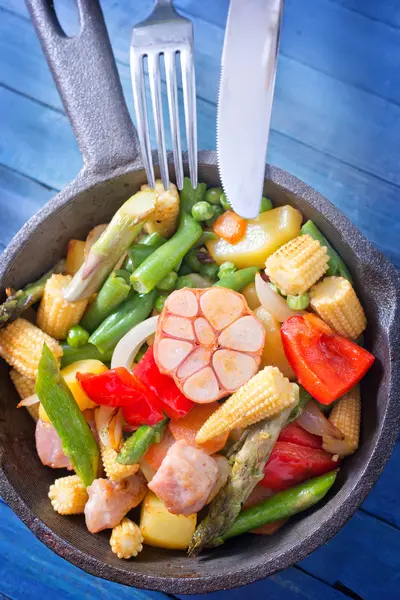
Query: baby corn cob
{"x":25,"y":387}
{"x":21,"y":345}
{"x":165,"y":218}
{"x":126,"y":539}
{"x":297,"y":265}
{"x":346,"y":416}
{"x":55,"y":315}
{"x":68,"y":495}
{"x":336,"y":302}
{"x":264,"y":396}
{"x":114,"y":470}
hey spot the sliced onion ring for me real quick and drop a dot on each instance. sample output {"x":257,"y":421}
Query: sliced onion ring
{"x":130,"y":344}
{"x":29,"y":401}
{"x":273,"y":302}
{"x":313,"y":420}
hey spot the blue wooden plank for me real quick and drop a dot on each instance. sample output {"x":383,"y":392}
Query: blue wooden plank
{"x":363,"y":556}
{"x":28,"y":569}
{"x":384,"y":11}
{"x":20,"y":199}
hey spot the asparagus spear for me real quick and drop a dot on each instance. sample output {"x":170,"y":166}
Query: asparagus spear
{"x":139,"y":442}
{"x":238,"y":280}
{"x":114,"y":291}
{"x":65,"y":415}
{"x":15,"y":304}
{"x":283,"y":505}
{"x":247,"y":470}
{"x":125,"y":225}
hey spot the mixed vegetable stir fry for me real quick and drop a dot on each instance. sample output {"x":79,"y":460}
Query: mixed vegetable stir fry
{"x":196,"y":364}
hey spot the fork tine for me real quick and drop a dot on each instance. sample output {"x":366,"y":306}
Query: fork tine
{"x":189,"y":101}
{"x":139,"y":98}
{"x":172,"y":92}
{"x":155,"y":89}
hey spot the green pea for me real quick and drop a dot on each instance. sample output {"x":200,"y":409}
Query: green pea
{"x":218,"y":210}
{"x":266,"y":204}
{"x":160,"y":301}
{"x":192,"y":261}
{"x":210,"y":270}
{"x":168,"y":283}
{"x":77,"y":336}
{"x":202,"y":211}
{"x":226,"y":205}
{"x":184,"y":281}
{"x":213,"y":195}
{"x":227,"y":268}
{"x":298,"y":302}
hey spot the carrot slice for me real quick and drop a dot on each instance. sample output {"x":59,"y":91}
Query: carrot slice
{"x":230,"y":227}
{"x":187,"y":427}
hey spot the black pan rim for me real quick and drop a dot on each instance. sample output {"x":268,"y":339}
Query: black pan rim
{"x":327,"y":526}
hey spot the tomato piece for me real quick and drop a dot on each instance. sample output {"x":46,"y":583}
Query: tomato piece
{"x":293,"y":432}
{"x":157,"y":452}
{"x":230,"y":227}
{"x":187,"y":428}
{"x":118,"y":387}
{"x":290,"y":464}
{"x":326,"y":365}
{"x":174,"y":403}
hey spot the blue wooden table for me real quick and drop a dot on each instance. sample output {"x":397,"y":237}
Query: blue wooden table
{"x":336,"y":125}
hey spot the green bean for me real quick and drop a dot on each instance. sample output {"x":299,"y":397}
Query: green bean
{"x":178,"y":266}
{"x":266,"y":204}
{"x":184,"y":269}
{"x":189,"y":195}
{"x":238,"y":280}
{"x":124,"y":275}
{"x":168,"y":283}
{"x":185,"y":281}
{"x":213,"y":195}
{"x":77,"y":337}
{"x":298,"y":302}
{"x":192,"y":261}
{"x":133,"y":311}
{"x":206,"y":237}
{"x":226,"y":205}
{"x":159,"y":303}
{"x":114,"y":291}
{"x":283,"y":505}
{"x":136,"y":446}
{"x":202,"y":211}
{"x":209,"y":270}
{"x":138,"y":253}
{"x":155,"y":240}
{"x":218,"y":210}
{"x":227,"y":268}
{"x":336,"y":265}
{"x":71,"y":355}
{"x":165,"y":258}
{"x":67,"y":419}
{"x":194,"y":280}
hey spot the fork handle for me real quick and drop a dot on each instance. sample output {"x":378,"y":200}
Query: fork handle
{"x":86,"y":76}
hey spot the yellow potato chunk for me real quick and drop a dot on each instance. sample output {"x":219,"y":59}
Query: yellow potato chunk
{"x":162,"y":529}
{"x":75,"y":256}
{"x":273,"y":353}
{"x":251,"y":296}
{"x":264,"y":234}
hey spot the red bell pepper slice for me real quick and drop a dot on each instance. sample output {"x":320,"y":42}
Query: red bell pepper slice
{"x":295,"y":434}
{"x":290,"y":464}
{"x":327,"y":365}
{"x":118,"y":387}
{"x":174,"y":403}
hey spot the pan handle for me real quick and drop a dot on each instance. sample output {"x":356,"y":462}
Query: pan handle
{"x":86,"y":76}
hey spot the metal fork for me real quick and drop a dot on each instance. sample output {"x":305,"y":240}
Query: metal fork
{"x":165,"y":33}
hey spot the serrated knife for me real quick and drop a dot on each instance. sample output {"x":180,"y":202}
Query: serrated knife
{"x":246,"y":92}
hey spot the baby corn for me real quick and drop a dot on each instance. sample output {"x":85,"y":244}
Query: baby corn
{"x":297,"y":265}
{"x":346,"y":416}
{"x":21,"y":345}
{"x":68,"y":495}
{"x":336,"y":302}
{"x":25,"y":387}
{"x":114,"y":470}
{"x":55,"y":315}
{"x":126,"y":539}
{"x":165,"y":218}
{"x":264,"y":396}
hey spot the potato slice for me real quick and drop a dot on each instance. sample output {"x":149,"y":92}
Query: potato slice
{"x":162,"y":529}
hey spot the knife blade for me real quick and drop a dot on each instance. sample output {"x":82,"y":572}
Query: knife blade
{"x":245,"y":100}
